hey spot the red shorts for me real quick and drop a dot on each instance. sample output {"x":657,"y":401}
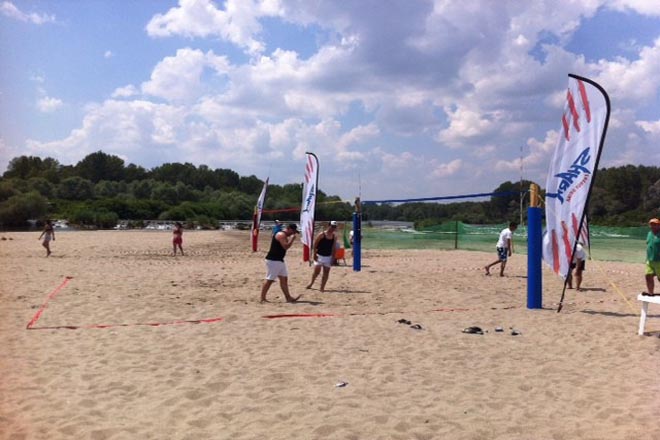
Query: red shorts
{"x":177,"y":240}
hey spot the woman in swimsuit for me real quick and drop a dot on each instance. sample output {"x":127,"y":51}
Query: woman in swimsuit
{"x":177,"y":241}
{"x":48,"y":234}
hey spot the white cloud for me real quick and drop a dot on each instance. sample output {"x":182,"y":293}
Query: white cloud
{"x":238,"y":23}
{"x":37,"y":78}
{"x":136,"y":129}
{"x":645,"y":7}
{"x":10,"y":10}
{"x":631,"y":82}
{"x":108,"y":54}
{"x":651,"y":127}
{"x":125,"y":92}
{"x":48,"y":104}
{"x":448,"y":169}
{"x":179,"y":78}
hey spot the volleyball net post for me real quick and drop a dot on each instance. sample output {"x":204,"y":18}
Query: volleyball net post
{"x":534,"y":250}
{"x":357,"y":236}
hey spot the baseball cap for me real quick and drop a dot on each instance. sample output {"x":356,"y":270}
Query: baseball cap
{"x":293,"y":227}
{"x":333,"y":223}
{"x":654,"y":221}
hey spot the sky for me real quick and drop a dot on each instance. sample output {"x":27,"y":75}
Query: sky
{"x":397,"y":98}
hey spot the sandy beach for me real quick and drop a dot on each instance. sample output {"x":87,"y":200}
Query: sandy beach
{"x":128,"y":342}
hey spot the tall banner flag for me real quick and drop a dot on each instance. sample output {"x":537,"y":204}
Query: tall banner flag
{"x":572,"y":171}
{"x":256,"y":217}
{"x":310,"y":186}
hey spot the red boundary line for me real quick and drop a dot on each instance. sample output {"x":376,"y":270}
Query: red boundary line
{"x":150,"y":324}
{"x":300,"y":315}
{"x":50,"y":296}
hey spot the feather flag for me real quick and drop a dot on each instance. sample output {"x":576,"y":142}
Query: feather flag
{"x":310,"y":186}
{"x":572,"y":171}
{"x":256,"y":217}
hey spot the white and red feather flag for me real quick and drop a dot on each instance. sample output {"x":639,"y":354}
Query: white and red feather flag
{"x":310,"y":187}
{"x":572,"y":170}
{"x":256,"y":216}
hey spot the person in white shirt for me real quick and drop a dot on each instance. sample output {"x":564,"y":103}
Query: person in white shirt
{"x":504,"y":248}
{"x":578,"y":265}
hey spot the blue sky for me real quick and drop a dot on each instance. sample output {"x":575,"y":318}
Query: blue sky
{"x":397,"y":98}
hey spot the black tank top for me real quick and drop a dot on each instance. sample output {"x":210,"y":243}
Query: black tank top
{"x":276,"y":252}
{"x":325,"y":246}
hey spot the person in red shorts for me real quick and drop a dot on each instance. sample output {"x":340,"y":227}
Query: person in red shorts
{"x":177,"y":240}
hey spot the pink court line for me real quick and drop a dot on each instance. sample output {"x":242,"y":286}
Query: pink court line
{"x":300,"y":315}
{"x":147,"y":324}
{"x":50,"y":296}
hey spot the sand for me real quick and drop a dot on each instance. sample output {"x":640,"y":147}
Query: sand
{"x":92,"y":366}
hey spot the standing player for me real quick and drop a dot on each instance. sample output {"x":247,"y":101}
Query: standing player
{"x":504,"y":248}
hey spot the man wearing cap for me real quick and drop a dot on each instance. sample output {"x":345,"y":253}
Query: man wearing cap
{"x":324,"y":251}
{"x":652,"y":255}
{"x":275,"y":264}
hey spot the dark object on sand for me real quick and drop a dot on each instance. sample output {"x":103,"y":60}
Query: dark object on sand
{"x":473,"y":330}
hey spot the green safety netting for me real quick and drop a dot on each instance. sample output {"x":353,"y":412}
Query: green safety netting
{"x":607,"y":243}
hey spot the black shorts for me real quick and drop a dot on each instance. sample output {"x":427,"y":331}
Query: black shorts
{"x":580,"y":265}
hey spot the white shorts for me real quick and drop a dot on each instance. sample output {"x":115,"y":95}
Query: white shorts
{"x":324,"y":261}
{"x":276,"y":269}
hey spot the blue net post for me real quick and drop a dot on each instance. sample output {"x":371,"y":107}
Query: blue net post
{"x":357,"y":237}
{"x":534,"y":257}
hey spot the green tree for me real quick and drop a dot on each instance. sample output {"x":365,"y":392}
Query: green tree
{"x":25,"y":167}
{"x":142,"y":189}
{"x":101,"y":166}
{"x":42,"y":186}
{"x":227,"y":179}
{"x":175,"y":172}
{"x":75,"y":188}
{"x":108,"y":189}
{"x":165,"y":193}
{"x":18,"y":209}
{"x":250,"y":185}
{"x":135,"y":173}
{"x":7,"y":189}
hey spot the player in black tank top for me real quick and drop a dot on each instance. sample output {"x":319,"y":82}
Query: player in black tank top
{"x":279,"y":244}
{"x":324,"y":250}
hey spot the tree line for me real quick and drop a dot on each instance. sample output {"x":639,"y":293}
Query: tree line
{"x":101,"y":189}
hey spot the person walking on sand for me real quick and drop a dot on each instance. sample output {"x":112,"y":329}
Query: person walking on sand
{"x":48,"y":234}
{"x":277,"y":228}
{"x":578,"y":264}
{"x":177,"y":238}
{"x":275,"y":265}
{"x":652,"y":256}
{"x":504,"y":248}
{"x":324,"y":252}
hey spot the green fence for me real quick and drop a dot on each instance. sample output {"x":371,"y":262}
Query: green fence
{"x":607,"y":243}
